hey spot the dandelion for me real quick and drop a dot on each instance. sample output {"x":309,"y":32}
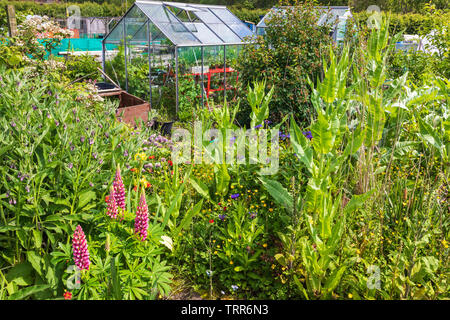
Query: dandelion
{"x":80,"y":249}
{"x":119,"y":189}
{"x":141,"y":221}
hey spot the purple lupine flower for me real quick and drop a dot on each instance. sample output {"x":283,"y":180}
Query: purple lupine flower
{"x":222,"y":216}
{"x":34,"y":107}
{"x":119,"y":189}
{"x":141,"y":221}
{"x":235,"y":196}
{"x":112,"y":205}
{"x":80,"y":249}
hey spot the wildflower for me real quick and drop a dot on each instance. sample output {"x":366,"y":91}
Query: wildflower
{"x":252,"y":215}
{"x":70,"y":165}
{"x":67,"y":295}
{"x":170,"y":163}
{"x":80,"y":249}
{"x":211,"y":221}
{"x":151,"y":157}
{"x":222,"y":217}
{"x":13,"y":124}
{"x":82,"y":139}
{"x":235,"y":196}
{"x":141,"y":221}
{"x":307,"y":134}
{"x":265,"y":245}
{"x":91,"y":141}
{"x":231,"y":262}
{"x":234,"y":287}
{"x":112,"y":205}
{"x":258,"y":126}
{"x":119,"y":189}
{"x":350,"y":296}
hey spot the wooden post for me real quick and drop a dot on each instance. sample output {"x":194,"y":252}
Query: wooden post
{"x":11,"y":16}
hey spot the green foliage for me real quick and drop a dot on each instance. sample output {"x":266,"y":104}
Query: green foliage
{"x":83,"y":67}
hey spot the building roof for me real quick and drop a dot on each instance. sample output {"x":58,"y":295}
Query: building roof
{"x":181,"y":24}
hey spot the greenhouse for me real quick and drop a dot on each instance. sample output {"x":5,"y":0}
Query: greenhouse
{"x":332,"y":14}
{"x":176,"y":54}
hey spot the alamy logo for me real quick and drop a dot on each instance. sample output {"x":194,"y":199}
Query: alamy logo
{"x":227,"y":146}
{"x":374,"y":20}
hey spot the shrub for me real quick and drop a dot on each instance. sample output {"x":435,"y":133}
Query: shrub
{"x":292,"y":50}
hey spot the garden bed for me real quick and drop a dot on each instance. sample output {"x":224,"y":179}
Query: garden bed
{"x":130,"y":106}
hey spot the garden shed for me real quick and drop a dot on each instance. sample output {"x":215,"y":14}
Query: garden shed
{"x":175,"y":54}
{"x":331,"y":14}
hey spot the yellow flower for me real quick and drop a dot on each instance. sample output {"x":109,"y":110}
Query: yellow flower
{"x":357,"y":251}
{"x":445,"y":244}
{"x":272,"y":266}
{"x":265,"y":245}
{"x":215,"y":252}
{"x":231,"y":262}
{"x":350,"y":296}
{"x":270,"y":209}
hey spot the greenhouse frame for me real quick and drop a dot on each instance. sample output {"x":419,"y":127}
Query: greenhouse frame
{"x":176,"y":42}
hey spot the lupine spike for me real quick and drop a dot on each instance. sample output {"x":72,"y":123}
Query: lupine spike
{"x":141,"y":221}
{"x":112,"y":205}
{"x":119,"y":189}
{"x":80,"y":249}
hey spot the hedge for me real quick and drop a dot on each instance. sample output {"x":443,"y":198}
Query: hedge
{"x":410,"y":23}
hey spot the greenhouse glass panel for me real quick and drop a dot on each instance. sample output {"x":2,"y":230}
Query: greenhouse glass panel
{"x":116,"y":34}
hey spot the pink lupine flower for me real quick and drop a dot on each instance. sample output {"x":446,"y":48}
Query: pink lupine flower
{"x":141,"y":221}
{"x":119,"y":189}
{"x":112,"y":205}
{"x":80,"y":249}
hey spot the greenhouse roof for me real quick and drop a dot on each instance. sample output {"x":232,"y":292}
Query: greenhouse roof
{"x":182,"y":24}
{"x":330,"y":14}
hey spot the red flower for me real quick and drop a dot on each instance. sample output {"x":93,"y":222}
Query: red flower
{"x":107,"y":199}
{"x":133,"y":169}
{"x":148,"y":185}
{"x":224,"y":208}
{"x":135,"y":188}
{"x":151,"y":157}
{"x":211,"y":221}
{"x":67,"y":295}
{"x":170,"y":162}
